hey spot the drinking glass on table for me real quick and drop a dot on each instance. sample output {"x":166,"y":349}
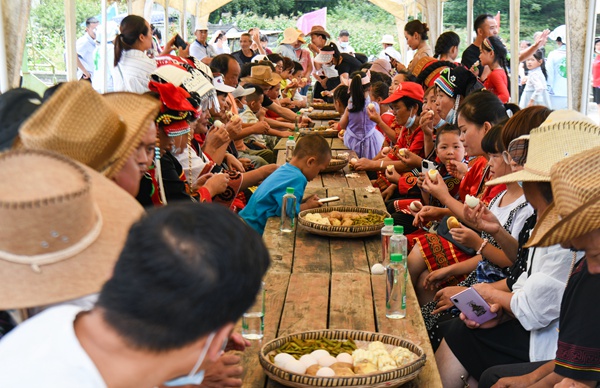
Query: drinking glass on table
{"x":253,"y":319}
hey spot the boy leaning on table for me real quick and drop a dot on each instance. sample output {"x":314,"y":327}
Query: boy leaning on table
{"x":311,"y":156}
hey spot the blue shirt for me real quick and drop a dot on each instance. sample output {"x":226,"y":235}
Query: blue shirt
{"x":266,"y":200}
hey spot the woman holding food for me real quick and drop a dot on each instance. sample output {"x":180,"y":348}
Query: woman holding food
{"x":476,"y":117}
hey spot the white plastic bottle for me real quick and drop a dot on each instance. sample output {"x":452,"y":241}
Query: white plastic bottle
{"x":398,"y":242}
{"x":395,"y":296}
{"x":288,"y":211}
{"x":386,"y":233}
{"x":290,"y":144}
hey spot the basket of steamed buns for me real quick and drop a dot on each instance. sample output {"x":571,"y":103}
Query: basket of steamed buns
{"x":341,"y":358}
{"x":342,"y":221}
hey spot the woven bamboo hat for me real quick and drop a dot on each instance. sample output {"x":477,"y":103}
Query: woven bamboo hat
{"x":262,"y":75}
{"x":575,"y":210}
{"x":565,"y":133}
{"x":63,"y":227}
{"x":100,"y":131}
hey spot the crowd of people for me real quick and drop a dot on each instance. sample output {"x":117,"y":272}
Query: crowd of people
{"x":143,"y":230}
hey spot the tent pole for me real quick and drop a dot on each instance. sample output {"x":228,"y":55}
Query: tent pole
{"x":469,"y":22}
{"x":4,"y":86}
{"x":166,"y":34}
{"x":515,"y":24}
{"x":103,"y":50}
{"x":70,"y":29}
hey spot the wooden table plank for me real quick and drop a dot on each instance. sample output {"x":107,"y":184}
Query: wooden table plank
{"x":312,"y":253}
{"x":348,"y":255}
{"x":338,"y":144}
{"x":412,"y":328}
{"x":334,"y":179}
{"x":306,"y":303}
{"x":280,"y":157}
{"x":364,"y":198}
{"x":351,"y":302}
{"x":280,"y":246}
{"x":276,"y":286}
{"x":346,"y":195}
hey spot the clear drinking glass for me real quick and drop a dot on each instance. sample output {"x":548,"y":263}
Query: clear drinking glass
{"x":253,"y":320}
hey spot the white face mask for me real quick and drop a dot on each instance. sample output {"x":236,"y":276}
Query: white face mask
{"x":344,"y":44}
{"x":195,"y":377}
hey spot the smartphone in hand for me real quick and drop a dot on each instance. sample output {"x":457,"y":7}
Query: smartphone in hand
{"x":475,"y":308}
{"x":427,"y":165}
{"x":179,"y":42}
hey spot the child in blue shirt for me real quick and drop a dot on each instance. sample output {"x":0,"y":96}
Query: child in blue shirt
{"x":311,"y":156}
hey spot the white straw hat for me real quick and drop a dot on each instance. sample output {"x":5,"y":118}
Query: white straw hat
{"x":575,"y":210}
{"x":565,"y":133}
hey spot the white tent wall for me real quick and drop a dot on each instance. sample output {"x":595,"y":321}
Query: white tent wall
{"x":580,"y":20}
{"x":15,"y":15}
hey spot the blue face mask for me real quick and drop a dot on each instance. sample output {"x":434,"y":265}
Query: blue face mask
{"x":195,"y":377}
{"x":439,"y":124}
{"x":410,"y":122}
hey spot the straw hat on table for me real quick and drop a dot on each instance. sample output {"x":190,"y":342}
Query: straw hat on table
{"x":100,"y":131}
{"x":565,"y":133}
{"x":63,"y":227}
{"x":575,"y":210}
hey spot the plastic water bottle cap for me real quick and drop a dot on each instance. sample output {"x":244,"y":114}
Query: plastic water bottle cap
{"x":289,"y":190}
{"x":396,"y":257}
{"x":290,"y":137}
{"x":388,"y":221}
{"x":398,"y":229}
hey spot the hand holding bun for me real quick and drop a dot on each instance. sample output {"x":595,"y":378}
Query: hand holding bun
{"x":453,"y":223}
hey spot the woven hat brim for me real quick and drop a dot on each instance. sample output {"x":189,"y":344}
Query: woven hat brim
{"x":84,"y":273}
{"x":519,"y":176}
{"x":137,"y":111}
{"x":552,"y":229}
{"x":252,"y":80}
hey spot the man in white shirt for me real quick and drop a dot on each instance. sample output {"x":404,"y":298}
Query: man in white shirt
{"x":199,"y":48}
{"x":167,"y":311}
{"x":344,"y":42}
{"x":86,"y":45}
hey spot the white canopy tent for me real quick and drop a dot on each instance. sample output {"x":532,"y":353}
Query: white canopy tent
{"x":580,"y":21}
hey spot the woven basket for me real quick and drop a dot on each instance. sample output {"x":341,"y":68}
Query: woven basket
{"x":323,"y":106}
{"x":329,"y":115}
{"x":354,"y":231}
{"x":321,"y":132}
{"x":392,"y":378}
{"x":336,"y":164}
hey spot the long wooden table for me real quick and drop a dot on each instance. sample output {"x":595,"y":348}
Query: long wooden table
{"x":317,"y":282}
{"x":335,"y":143}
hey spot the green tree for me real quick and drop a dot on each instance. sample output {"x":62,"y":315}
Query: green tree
{"x":536,"y":15}
{"x":365,"y":22}
{"x":47,"y":26}
{"x":271,"y":8}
